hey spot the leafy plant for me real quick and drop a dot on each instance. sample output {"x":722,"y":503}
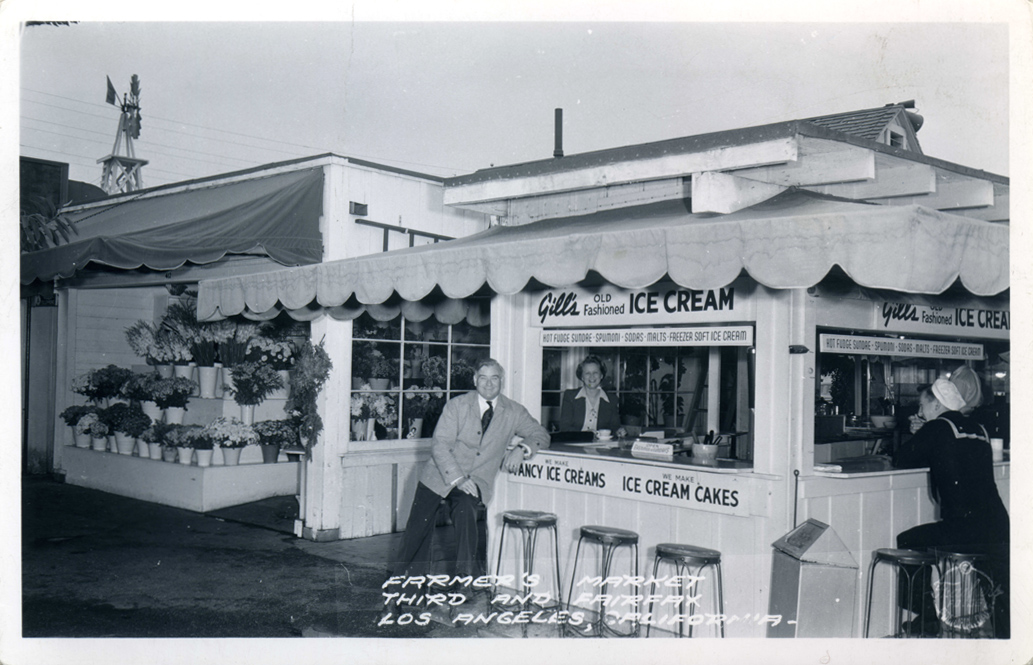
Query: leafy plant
{"x":199,"y":438}
{"x":277,"y":353}
{"x":140,"y":387}
{"x":252,"y":382}
{"x":73,"y":414}
{"x":92,"y":425}
{"x":276,"y":432}
{"x":172,"y":392}
{"x":43,"y":225}
{"x":157,"y":432}
{"x":125,"y":418}
{"x":100,"y":384}
{"x":179,"y":436}
{"x":233,"y":350}
{"x":311,"y":370}
{"x":141,"y":338}
{"x":230,"y":432}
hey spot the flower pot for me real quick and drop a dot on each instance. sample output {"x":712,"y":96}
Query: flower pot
{"x":174,"y":415}
{"x":231,"y":456}
{"x":81,"y":440}
{"x":99,"y":443}
{"x":124,"y":443}
{"x":151,"y":410}
{"x":165,"y":371}
{"x":247,"y":414}
{"x":358,"y":430}
{"x":204,"y":457}
{"x":185,"y":455}
{"x":358,"y":382}
{"x":155,"y":450}
{"x":142,"y":449}
{"x":371,"y":429}
{"x":184,"y":371}
{"x":168,"y":454}
{"x":220,"y":389}
{"x":379,"y":384}
{"x":207,"y":377}
{"x":227,"y":382}
{"x":415,"y":429}
{"x":270,"y":453}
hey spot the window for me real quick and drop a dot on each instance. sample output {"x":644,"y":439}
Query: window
{"x":897,"y":140}
{"x":404,"y":372}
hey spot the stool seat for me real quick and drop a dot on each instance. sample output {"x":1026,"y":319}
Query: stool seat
{"x":905,"y":557}
{"x":529,"y":519}
{"x":609,"y":535}
{"x":688,"y":553}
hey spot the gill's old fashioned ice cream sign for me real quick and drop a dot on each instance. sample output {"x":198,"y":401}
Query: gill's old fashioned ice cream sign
{"x":664,"y":303}
{"x":957,"y":321}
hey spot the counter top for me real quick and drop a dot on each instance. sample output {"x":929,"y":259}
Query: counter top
{"x":611,"y":450}
{"x":869,"y":465}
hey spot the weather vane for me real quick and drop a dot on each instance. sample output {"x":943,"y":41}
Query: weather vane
{"x":122,"y":173}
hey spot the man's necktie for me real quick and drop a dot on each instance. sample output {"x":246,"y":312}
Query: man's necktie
{"x":486,"y":418}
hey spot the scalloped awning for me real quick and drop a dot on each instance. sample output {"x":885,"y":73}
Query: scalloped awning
{"x":790,"y":241}
{"x":277,"y":216}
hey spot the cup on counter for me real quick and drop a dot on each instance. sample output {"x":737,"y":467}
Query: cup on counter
{"x":603,"y":434}
{"x":997,"y":446}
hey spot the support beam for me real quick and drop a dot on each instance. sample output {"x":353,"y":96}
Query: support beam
{"x":910,"y":180}
{"x":1000,"y":211}
{"x":522,"y":211}
{"x":725,"y":193}
{"x":623,"y":171}
{"x":968,"y":193}
{"x":825,"y":165}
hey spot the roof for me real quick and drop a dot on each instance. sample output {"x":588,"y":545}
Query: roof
{"x":867,"y":123}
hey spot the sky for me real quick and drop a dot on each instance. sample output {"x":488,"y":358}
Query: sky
{"x":450,"y":97}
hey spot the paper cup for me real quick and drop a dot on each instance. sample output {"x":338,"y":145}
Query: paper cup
{"x":997,"y":446}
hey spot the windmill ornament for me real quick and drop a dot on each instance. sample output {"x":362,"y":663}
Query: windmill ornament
{"x":123,"y":173}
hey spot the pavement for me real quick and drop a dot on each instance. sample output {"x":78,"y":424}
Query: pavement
{"x":100,"y":565}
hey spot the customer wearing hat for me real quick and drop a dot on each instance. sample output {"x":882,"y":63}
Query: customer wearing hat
{"x":973,"y":519}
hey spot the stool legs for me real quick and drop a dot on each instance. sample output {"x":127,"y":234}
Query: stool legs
{"x":904,"y":580}
{"x":695,"y":574}
{"x":528,"y":549}
{"x":605,"y":562}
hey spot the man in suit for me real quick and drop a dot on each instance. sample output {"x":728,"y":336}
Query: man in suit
{"x":473,"y":439}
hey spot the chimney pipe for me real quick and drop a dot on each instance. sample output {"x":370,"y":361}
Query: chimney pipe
{"x":558,"y":152}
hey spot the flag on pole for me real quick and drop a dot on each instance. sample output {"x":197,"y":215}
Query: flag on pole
{"x":112,"y":95}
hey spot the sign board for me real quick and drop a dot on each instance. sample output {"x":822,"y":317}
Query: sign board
{"x":955,"y":321}
{"x":892,"y":346}
{"x":709,"y":336}
{"x":670,"y":486}
{"x":665,"y":303}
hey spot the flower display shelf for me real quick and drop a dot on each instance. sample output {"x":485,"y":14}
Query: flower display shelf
{"x":201,"y":489}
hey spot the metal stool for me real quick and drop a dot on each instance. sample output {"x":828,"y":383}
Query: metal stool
{"x":609,"y":538}
{"x":529,"y":522}
{"x":923,"y":563}
{"x":693,"y":560}
{"x":965,"y":594}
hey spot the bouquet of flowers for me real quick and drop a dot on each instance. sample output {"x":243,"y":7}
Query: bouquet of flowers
{"x":180,"y":327}
{"x":230,"y":432}
{"x":140,"y":387}
{"x":129,"y":420}
{"x":373,"y":405}
{"x":278,"y":354}
{"x":179,"y":436}
{"x":252,"y":382}
{"x":103,"y":383}
{"x":233,"y":349}
{"x":140,"y":336}
{"x":73,"y":414}
{"x":91,"y":425}
{"x":157,"y":432}
{"x":433,"y":368}
{"x":276,"y":432}
{"x":168,"y":348}
{"x":199,"y":438}
{"x":416,"y":402}
{"x":172,"y":392}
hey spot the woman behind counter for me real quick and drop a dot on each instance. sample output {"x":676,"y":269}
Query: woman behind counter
{"x":589,"y":408}
{"x":972,"y":516}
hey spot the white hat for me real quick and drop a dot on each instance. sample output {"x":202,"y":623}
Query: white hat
{"x":967,"y":382}
{"x":948,"y":395}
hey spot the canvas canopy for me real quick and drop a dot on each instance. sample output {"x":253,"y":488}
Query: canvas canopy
{"x":792,"y":240}
{"x":277,"y":216}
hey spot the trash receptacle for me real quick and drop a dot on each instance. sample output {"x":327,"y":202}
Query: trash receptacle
{"x":813,"y":584}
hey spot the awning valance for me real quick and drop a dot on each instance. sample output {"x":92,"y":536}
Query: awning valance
{"x":790,"y":241}
{"x":277,"y":216}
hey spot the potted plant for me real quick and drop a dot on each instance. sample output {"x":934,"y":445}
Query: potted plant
{"x":172,"y":395}
{"x":233,"y":349}
{"x":252,"y":383}
{"x":180,"y":437}
{"x":140,"y":336}
{"x":311,"y":370}
{"x":231,"y":435}
{"x":273,"y":435}
{"x":381,"y":370}
{"x":369,"y":408}
{"x":72,"y":415}
{"x":416,"y":404}
{"x":102,"y":385}
{"x":201,"y":441}
{"x":155,"y":437}
{"x":278,"y":353}
{"x":127,"y":422}
{"x":92,"y":426}
{"x":141,"y":388}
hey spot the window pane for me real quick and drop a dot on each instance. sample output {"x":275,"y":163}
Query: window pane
{"x":426,"y":331}
{"x":426,"y":365}
{"x":464,"y":360}
{"x":464,"y":333}
{"x":365,"y":327}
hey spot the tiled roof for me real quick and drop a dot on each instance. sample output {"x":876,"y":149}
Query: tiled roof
{"x":867,"y":124}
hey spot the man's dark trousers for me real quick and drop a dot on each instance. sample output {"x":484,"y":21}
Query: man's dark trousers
{"x":415,"y":553}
